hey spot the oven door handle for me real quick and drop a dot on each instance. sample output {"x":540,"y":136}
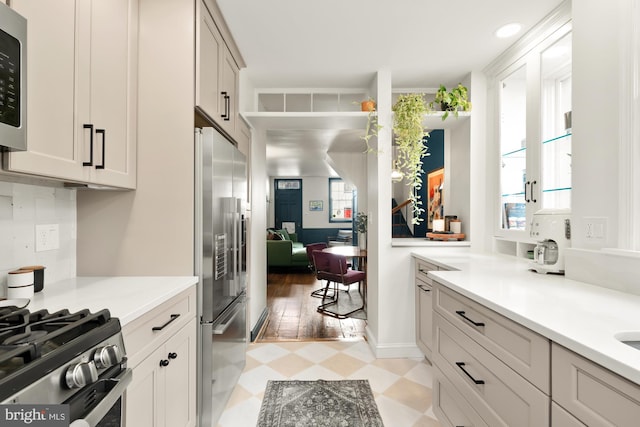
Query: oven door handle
{"x":95,"y":416}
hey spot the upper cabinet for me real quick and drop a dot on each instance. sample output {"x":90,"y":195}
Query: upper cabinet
{"x":534,"y":133}
{"x":82,"y":85}
{"x":217,"y":71}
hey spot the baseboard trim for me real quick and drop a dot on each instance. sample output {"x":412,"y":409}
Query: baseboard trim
{"x":392,"y":351}
{"x":259,"y":324}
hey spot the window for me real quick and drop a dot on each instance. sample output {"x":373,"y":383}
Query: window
{"x":340,"y":201}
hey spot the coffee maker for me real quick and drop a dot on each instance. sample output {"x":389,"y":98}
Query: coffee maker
{"x":551,"y":228}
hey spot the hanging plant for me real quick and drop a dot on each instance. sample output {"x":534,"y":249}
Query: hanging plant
{"x":409,"y":111}
{"x":372,"y":127}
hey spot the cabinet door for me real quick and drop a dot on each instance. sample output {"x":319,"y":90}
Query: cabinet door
{"x":555,"y":150}
{"x":142,"y":397}
{"x":591,"y":393}
{"x":209,"y":53}
{"x":516,"y":184}
{"x":424,"y":316}
{"x":110,"y":91}
{"x":180,"y":378}
{"x":53,"y":149}
{"x":229,"y":91}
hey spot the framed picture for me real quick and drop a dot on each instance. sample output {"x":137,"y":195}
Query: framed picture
{"x":315,"y":205}
{"x":435,"y":186}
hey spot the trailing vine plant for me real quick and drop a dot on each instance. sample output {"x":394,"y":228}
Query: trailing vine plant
{"x":371,"y":130}
{"x":409,"y":111}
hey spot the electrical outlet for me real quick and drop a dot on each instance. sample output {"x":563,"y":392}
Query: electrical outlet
{"x":595,"y":227}
{"x":47,"y":237}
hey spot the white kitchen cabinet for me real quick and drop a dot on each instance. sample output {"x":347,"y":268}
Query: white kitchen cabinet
{"x":532,"y":91}
{"x":216,"y":74}
{"x":161,"y":347}
{"x":424,"y":309}
{"x":495,"y":391}
{"x":501,"y":368}
{"x":452,"y":408}
{"x":561,"y":418}
{"x":523,"y":350}
{"x":592,"y":394}
{"x":82,"y":89}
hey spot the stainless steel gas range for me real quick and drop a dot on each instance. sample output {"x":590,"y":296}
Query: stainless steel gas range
{"x":62,"y":358}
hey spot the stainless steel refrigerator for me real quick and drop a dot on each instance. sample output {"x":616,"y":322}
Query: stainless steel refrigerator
{"x":220,"y":254}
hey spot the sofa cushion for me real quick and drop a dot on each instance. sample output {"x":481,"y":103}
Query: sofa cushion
{"x":284,"y":233}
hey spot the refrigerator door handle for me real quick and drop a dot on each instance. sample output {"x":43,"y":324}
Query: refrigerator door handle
{"x":220,"y":327}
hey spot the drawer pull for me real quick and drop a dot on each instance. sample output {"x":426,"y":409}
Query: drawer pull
{"x":424,"y":289}
{"x":159,"y":328}
{"x":164,"y":363}
{"x":461,"y":314}
{"x":461,"y":365}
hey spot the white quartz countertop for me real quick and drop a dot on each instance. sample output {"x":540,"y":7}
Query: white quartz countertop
{"x":126,"y":298}
{"x":579,"y":316}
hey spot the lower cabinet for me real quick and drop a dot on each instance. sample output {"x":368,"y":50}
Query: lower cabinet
{"x":592,"y":394}
{"x":479,"y":377}
{"x":161,"y":350}
{"x":424,"y":309}
{"x":490,"y":370}
{"x":424,"y":317}
{"x":162,"y":392}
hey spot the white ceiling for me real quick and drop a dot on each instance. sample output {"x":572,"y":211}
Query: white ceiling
{"x":342,"y":43}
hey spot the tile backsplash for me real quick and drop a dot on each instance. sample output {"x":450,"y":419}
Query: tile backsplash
{"x":22,"y":207}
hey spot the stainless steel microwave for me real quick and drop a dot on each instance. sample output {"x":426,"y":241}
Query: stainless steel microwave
{"x":13,"y":79}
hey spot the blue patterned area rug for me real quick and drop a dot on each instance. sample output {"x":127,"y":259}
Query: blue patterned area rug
{"x":347,"y":403}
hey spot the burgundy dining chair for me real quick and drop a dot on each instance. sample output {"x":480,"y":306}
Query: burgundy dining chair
{"x":311,"y":248}
{"x":333,"y":268}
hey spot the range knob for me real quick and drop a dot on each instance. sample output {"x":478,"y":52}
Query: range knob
{"x":81,"y":374}
{"x":107,"y":356}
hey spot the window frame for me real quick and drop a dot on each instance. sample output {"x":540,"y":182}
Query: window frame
{"x":331,"y":202}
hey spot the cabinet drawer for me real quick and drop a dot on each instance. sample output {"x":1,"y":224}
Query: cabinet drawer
{"x":450,"y":407}
{"x":144,"y":334}
{"x":561,"y":418}
{"x":593,"y":394}
{"x":499,"y":395}
{"x":422,"y":268}
{"x":520,"y":348}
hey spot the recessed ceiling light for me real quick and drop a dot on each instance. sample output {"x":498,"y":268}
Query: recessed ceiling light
{"x":508,"y":30}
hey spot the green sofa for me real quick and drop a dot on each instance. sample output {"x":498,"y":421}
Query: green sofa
{"x":286,"y":253}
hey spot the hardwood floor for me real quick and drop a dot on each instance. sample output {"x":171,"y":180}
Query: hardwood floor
{"x":293,"y":315}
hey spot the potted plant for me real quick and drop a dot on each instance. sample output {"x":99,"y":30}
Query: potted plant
{"x":368,"y":105}
{"x":452,"y":101}
{"x":409,"y":111}
{"x":361,"y":225}
{"x":372,"y":127}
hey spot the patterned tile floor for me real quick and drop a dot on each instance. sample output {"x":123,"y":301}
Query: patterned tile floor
{"x":401,"y":387}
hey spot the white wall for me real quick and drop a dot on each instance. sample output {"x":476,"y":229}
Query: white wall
{"x":599,"y":33}
{"x":22,"y":207}
{"x":257,"y":257}
{"x":596,"y":134}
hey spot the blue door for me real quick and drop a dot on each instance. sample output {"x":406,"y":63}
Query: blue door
{"x":288,"y":204}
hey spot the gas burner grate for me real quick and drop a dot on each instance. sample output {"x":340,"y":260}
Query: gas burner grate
{"x":34,"y":344}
